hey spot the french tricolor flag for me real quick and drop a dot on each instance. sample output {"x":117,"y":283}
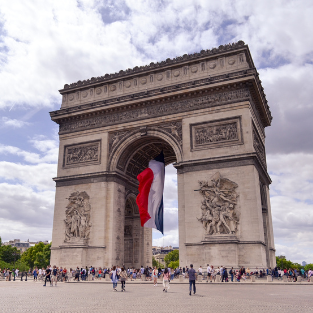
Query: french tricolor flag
{"x":150,"y":198}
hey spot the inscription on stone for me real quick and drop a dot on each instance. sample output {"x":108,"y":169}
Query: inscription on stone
{"x":82,"y":154}
{"x":217,"y":133}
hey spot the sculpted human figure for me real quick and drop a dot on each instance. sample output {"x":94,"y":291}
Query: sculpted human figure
{"x":220,"y":198}
{"x":75,"y":224}
{"x":222,"y":221}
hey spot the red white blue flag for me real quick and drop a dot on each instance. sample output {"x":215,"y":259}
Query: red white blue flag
{"x":150,"y":198}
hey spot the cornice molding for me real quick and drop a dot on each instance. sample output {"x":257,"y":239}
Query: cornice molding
{"x":156,"y":66}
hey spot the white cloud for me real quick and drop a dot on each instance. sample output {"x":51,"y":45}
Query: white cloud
{"x":7,"y":122}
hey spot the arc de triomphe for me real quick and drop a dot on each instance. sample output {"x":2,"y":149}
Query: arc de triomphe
{"x":207,"y":111}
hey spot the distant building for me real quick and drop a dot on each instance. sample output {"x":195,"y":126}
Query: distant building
{"x":159,"y":253}
{"x":304,"y":263}
{"x":22,"y":246}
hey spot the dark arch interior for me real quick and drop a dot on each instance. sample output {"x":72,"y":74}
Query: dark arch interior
{"x":135,"y":158}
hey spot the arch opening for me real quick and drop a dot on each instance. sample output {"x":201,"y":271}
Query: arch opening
{"x":134,"y":159}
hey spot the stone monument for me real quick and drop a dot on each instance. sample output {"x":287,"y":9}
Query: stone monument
{"x":208,"y":112}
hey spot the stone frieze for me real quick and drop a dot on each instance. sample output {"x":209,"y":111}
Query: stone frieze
{"x":82,"y":154}
{"x":156,"y":110}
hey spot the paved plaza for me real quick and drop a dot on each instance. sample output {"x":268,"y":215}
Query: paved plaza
{"x":144,"y":297}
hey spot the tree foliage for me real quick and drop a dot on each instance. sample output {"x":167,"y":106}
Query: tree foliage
{"x":37,"y":256}
{"x":9,"y":254}
{"x":282,"y":263}
{"x":156,"y":263}
{"x":171,"y":257}
{"x":173,"y":264}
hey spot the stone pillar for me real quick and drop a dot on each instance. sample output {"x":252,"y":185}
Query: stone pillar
{"x":181,"y":278}
{"x":107,"y":277}
{"x":199,"y":278}
{"x":269,"y":278}
{"x":285,"y":279}
{"x":311,"y":279}
{"x":252,"y":277}
{"x":143,"y":277}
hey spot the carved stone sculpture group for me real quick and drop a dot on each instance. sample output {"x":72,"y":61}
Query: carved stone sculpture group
{"x":77,"y":221}
{"x":219,"y":205}
{"x":211,"y":134}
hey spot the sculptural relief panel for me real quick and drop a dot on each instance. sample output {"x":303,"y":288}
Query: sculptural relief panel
{"x":82,"y":154}
{"x":216,"y":134}
{"x":219,"y":206}
{"x":77,"y":218}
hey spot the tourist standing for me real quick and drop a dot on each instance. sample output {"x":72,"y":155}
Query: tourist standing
{"x":192,"y":279}
{"x":231,"y":272}
{"x":114,"y":277}
{"x":209,"y":271}
{"x":166,"y":277}
{"x":54,"y":276}
{"x":123,"y":275}
{"x":35,"y":274}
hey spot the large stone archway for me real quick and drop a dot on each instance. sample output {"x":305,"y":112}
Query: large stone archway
{"x":207,"y":112}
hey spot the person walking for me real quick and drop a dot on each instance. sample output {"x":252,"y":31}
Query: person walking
{"x":166,"y":277}
{"x":192,"y":279}
{"x":47,"y":276}
{"x":155,"y":276}
{"x":123,"y":276}
{"x":114,"y":277}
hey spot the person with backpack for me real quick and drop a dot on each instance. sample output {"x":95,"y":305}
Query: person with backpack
{"x":231,"y":272}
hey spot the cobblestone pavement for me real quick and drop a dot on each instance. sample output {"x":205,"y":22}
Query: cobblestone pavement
{"x":99,"y":297}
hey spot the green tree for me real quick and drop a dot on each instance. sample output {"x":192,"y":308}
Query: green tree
{"x":9,"y":254}
{"x":171,"y":256}
{"x":0,"y":242}
{"x":173,"y":264}
{"x":156,"y":263}
{"x":38,"y":255}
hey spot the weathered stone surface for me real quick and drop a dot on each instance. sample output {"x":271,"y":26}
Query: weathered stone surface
{"x":208,"y":114}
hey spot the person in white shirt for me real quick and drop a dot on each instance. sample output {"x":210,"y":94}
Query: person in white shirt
{"x":40,"y":273}
{"x":209,"y":270}
{"x":16,"y":272}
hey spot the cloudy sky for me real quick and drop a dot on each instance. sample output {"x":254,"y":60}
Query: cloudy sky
{"x":45,"y":44}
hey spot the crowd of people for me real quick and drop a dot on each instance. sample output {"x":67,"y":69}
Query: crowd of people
{"x":55,"y":274}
